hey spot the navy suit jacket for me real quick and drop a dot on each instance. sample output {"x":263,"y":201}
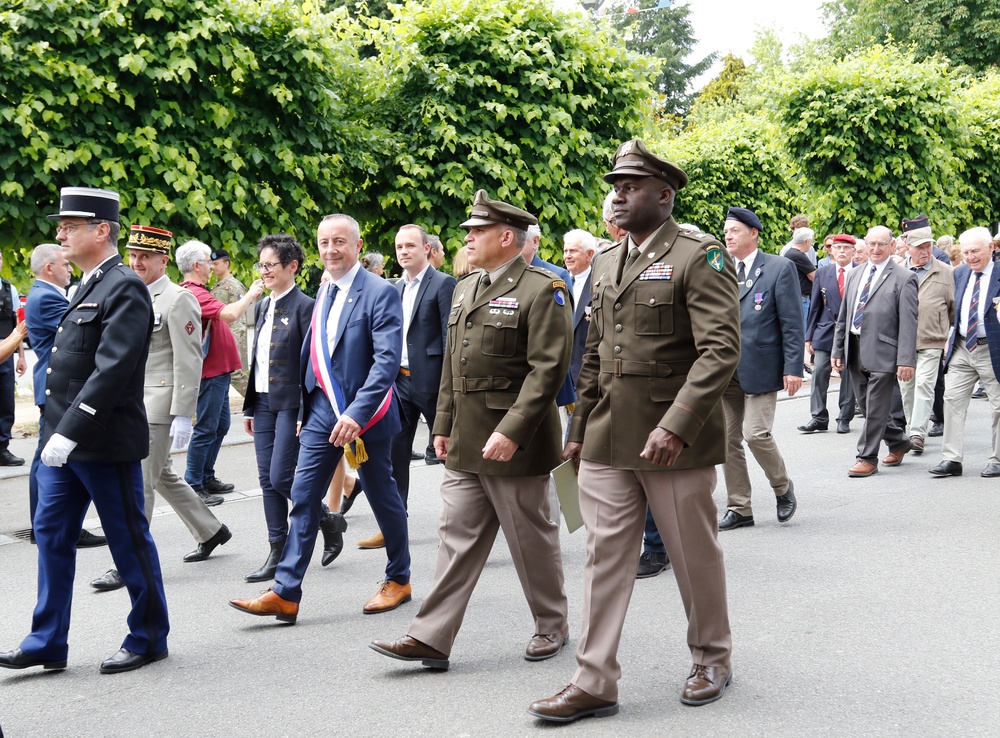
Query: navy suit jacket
{"x":365,"y":359}
{"x":43,"y":312}
{"x":824,"y":307}
{"x":581,"y":324}
{"x":987,"y":294}
{"x":563,"y":273}
{"x":771,"y":337}
{"x":292,"y":317}
{"x":428,"y":330}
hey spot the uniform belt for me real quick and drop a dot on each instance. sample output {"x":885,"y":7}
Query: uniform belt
{"x":979,"y":341}
{"x":483,"y":384}
{"x":404,"y":371}
{"x":658,"y":369}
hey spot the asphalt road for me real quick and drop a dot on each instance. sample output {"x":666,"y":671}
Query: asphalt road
{"x":871,"y":613}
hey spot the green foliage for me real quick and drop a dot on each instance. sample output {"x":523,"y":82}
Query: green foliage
{"x":512,"y":97}
{"x":738,"y":162}
{"x":879,"y":137}
{"x":965,"y":31}
{"x":667,"y":36}
{"x":218,"y":121}
{"x":726,"y":85}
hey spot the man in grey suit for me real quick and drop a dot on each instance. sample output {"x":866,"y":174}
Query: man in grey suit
{"x":170,"y":394}
{"x":771,"y":338}
{"x":876,"y":337}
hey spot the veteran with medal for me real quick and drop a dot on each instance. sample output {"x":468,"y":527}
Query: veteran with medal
{"x":648,"y":428}
{"x":498,"y":430}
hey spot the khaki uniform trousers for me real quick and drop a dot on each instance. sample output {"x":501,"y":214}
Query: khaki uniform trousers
{"x":964,"y":370}
{"x":750,"y":418}
{"x":613,"y":503}
{"x":158,"y":475}
{"x":474,"y":507}
{"x":918,"y":393}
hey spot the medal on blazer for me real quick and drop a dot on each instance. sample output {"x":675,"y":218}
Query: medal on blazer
{"x":758,"y":298}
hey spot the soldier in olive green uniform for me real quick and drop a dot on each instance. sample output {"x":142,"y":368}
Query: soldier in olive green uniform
{"x":497,"y":427}
{"x":663,"y":344}
{"x":228,"y":289}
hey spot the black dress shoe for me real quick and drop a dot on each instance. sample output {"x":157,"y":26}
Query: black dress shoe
{"x":431,"y":459}
{"x":89,"y":540}
{"x":205,"y":549}
{"x":733,"y":519}
{"x":18,"y":659}
{"x":332,"y":526}
{"x":651,"y":563}
{"x":216,"y":486}
{"x":843,"y":427}
{"x":8,"y":459}
{"x":346,"y":503}
{"x":992,"y":470}
{"x":209,"y":500}
{"x":110,"y":581}
{"x":813,"y":426}
{"x":947,"y":469}
{"x":787,"y":504}
{"x":416,"y":456}
{"x":936,"y":431}
{"x":125,"y":660}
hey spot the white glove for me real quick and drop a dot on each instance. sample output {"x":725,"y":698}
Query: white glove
{"x":180,"y":431}
{"x":57,"y":450}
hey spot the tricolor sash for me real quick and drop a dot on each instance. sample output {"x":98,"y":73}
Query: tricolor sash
{"x":319,"y":355}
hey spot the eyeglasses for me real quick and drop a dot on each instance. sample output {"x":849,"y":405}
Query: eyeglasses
{"x":70,"y":228}
{"x":267,"y":267}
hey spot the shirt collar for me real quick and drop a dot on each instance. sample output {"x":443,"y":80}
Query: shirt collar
{"x":416,"y":279}
{"x":345,"y":282}
{"x":155,"y":282}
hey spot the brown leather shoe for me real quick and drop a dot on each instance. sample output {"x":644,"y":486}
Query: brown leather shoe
{"x":410,"y":649}
{"x":895,"y":458}
{"x":389,"y":596}
{"x":375,"y":541}
{"x":862,"y":469}
{"x":545,"y":645}
{"x":572,"y":704}
{"x":269,"y":603}
{"x":917,"y":445}
{"x":705,"y":684}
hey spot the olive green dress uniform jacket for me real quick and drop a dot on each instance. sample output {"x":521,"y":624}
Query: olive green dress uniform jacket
{"x":508,"y":352}
{"x":662,"y":347}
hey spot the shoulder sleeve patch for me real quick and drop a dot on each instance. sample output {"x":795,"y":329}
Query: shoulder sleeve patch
{"x":558,"y":284}
{"x":716,"y":259}
{"x":559,"y":291}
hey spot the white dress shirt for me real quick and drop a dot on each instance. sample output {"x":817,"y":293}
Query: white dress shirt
{"x":984,"y":282}
{"x":410,"y":289}
{"x":343,"y":288}
{"x":579,"y":281}
{"x":261,"y":375}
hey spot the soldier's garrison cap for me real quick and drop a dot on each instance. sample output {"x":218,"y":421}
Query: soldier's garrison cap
{"x":485,"y":211}
{"x":633,"y":159}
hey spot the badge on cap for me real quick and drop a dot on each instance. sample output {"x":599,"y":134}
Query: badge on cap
{"x":715,"y":258}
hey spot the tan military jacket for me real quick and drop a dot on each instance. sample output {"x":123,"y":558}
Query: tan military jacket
{"x":173,"y":367}
{"x":230,"y":290}
{"x":662,"y":346}
{"x":507,"y":356}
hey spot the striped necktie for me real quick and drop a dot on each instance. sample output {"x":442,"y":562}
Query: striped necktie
{"x":971,"y":333}
{"x":864,"y":298}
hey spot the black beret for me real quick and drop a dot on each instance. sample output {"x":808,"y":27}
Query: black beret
{"x":219,"y":254}
{"x":746,"y":217}
{"x":921,"y":221}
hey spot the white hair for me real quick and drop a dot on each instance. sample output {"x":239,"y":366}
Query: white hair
{"x":803,"y":235}
{"x":979,"y":235}
{"x":586,"y":240}
{"x":609,"y":211}
{"x":533,"y":231}
{"x":189,"y":254}
{"x":44,"y":254}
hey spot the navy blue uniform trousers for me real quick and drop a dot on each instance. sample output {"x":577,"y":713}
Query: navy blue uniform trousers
{"x":64,"y":494}
{"x":318,"y":459}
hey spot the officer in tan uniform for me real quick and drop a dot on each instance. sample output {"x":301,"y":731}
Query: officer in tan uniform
{"x":649,"y":428}
{"x":228,"y":289}
{"x":498,"y":429}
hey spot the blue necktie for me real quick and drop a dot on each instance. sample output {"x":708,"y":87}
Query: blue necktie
{"x":971,"y":337}
{"x":864,"y":298}
{"x":327,"y":307}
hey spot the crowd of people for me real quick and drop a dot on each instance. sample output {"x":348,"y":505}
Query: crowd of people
{"x":665,"y":348}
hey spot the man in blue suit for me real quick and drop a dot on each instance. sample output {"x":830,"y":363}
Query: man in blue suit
{"x":42,"y":313}
{"x":350,"y":359}
{"x":530,"y":254}
{"x":771,"y":336}
{"x":827,"y":294}
{"x":973,"y":351}
{"x":426,"y":299}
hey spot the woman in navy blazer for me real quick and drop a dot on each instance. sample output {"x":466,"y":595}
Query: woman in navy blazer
{"x":271,"y":406}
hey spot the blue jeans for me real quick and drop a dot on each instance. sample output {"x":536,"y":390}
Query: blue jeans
{"x":277,"y":448}
{"x":805,"y":309}
{"x":651,"y":540}
{"x":210,"y":429}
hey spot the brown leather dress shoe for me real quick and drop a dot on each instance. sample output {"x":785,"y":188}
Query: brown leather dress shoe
{"x":572,"y":704}
{"x":410,"y":649}
{"x":705,"y":684}
{"x":389,"y":596}
{"x":375,"y":541}
{"x":545,"y":645}
{"x":895,"y":458}
{"x":269,"y":603}
{"x":862,"y":469}
{"x":917,"y":445}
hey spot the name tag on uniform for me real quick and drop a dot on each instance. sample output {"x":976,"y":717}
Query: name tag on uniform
{"x":657,"y":271}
